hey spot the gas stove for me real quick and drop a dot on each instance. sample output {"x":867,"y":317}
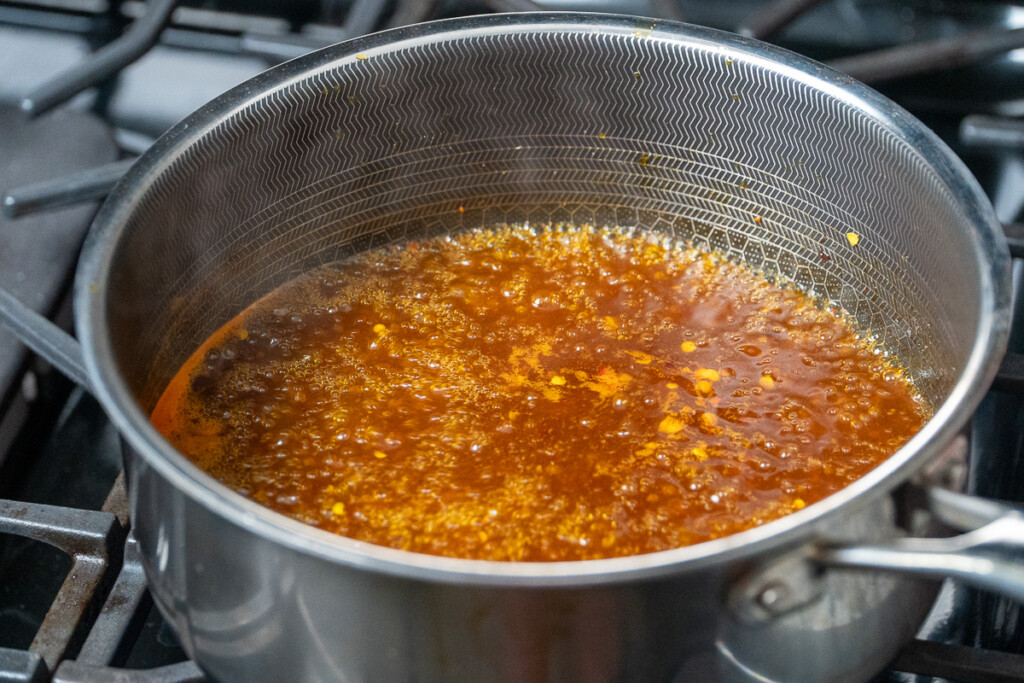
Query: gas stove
{"x":89,"y":84}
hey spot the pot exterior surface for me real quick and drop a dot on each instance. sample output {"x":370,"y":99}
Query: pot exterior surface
{"x":248,"y":609}
{"x":709,"y":138}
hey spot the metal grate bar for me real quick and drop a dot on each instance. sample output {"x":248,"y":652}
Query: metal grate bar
{"x":117,"y":626}
{"x":89,"y":537}
{"x":774,"y":16}
{"x":363,"y":17}
{"x":1015,"y":238}
{"x":960,"y":663}
{"x":411,"y":12}
{"x":103,"y":63}
{"x":76,"y":672}
{"x":21,"y":666}
{"x":83,"y":186}
{"x":989,"y":131}
{"x":513,"y":6}
{"x":930,"y":56}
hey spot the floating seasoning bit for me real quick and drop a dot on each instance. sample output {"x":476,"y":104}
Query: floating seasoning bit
{"x":688,"y":347}
{"x":853,"y":238}
{"x":380,"y":455}
{"x":671,"y":425}
{"x":361,"y":57}
{"x":708,"y":374}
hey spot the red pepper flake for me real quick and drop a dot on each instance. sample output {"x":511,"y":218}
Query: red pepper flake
{"x":823,"y":256}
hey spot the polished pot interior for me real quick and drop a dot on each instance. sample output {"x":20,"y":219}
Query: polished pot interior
{"x":620,"y":126}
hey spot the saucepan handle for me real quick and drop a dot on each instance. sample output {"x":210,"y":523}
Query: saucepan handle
{"x":989,"y":556}
{"x":42,"y":336}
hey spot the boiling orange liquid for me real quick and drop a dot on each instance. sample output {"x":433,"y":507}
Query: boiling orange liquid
{"x":507,"y":395}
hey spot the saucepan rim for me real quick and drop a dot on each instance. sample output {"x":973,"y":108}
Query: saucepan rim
{"x":91,"y":314}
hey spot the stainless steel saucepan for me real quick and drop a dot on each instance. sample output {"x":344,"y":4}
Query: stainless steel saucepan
{"x":738,"y":146}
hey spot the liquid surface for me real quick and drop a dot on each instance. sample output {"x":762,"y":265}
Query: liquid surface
{"x":567,"y":395}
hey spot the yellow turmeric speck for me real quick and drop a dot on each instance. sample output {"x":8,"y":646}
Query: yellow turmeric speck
{"x":380,"y":329}
{"x":338,"y":509}
{"x":799,"y":504}
{"x":672,"y":385}
{"x":361,"y":57}
{"x":853,"y":238}
{"x":558,"y":380}
{"x":699,"y":452}
{"x":380,"y":455}
{"x":640,"y":357}
{"x":709,"y":419}
{"x":483,"y":536}
{"x":608,"y":382}
{"x":708,"y":374}
{"x":757,"y":219}
{"x":704,"y":388}
{"x":671,"y":425}
{"x":688,"y":347}
{"x":766,"y":381}
{"x":610,"y":323}
{"x":602,"y":136}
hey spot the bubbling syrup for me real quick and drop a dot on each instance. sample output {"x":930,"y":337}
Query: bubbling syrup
{"x":563,"y":394}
